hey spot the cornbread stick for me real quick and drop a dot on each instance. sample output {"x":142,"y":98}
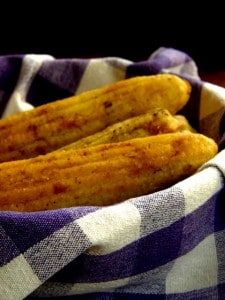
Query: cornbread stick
{"x":157,"y":121}
{"x":104,"y":174}
{"x":55,"y":124}
{"x":184,"y":123}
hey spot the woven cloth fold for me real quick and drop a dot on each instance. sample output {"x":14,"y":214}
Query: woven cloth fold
{"x":166,"y":245}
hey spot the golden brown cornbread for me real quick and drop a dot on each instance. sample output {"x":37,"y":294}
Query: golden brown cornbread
{"x":56,"y":124}
{"x":103,"y":174}
{"x":156,"y":121}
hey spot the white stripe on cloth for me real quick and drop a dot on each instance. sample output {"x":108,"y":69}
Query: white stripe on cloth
{"x":30,"y":66}
{"x":160,"y":209}
{"x":105,"y":231}
{"x":195,"y":270}
{"x":185,"y":68}
{"x":17,"y":279}
{"x":198,"y":188}
{"x":68,"y":289}
{"x":100,"y":72}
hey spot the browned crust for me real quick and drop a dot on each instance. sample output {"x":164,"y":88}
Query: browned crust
{"x":103,"y":174}
{"x":53,"y":125}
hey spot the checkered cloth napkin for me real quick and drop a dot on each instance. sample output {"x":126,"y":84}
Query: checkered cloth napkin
{"x":166,"y":245}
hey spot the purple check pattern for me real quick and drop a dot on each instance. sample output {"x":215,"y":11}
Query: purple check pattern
{"x":166,"y":245}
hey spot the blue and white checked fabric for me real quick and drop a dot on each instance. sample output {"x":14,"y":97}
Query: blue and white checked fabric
{"x":166,"y":245}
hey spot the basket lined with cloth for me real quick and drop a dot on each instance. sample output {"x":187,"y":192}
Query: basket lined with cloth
{"x":165,"y":245}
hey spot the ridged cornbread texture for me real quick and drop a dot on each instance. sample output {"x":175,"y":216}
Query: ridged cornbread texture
{"x":103,"y":174}
{"x":56,"y":124}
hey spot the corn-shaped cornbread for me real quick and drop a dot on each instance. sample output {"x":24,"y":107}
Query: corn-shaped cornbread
{"x":103,"y":174}
{"x":156,"y":121}
{"x":53,"y":125}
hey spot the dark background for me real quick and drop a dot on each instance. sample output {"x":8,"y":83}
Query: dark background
{"x":132,"y":31}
